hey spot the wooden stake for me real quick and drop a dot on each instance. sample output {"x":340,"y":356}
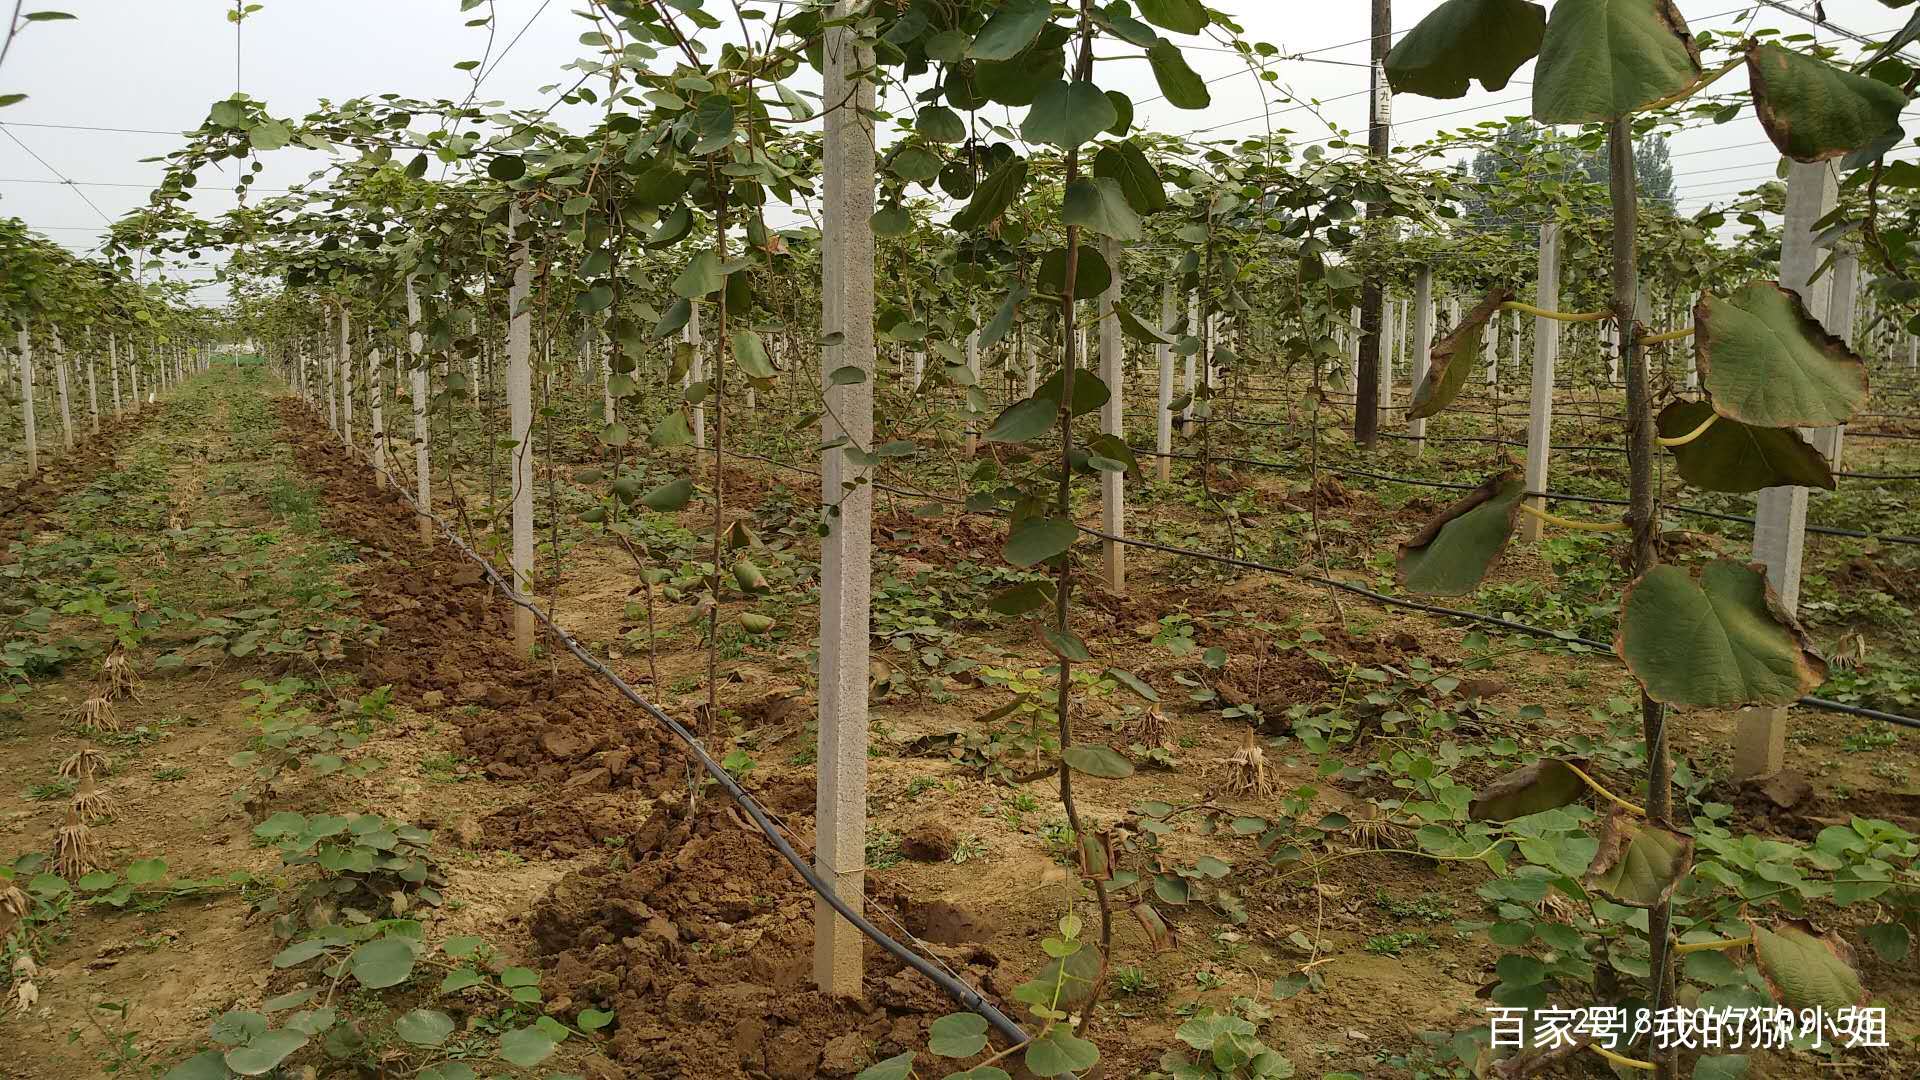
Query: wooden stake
{"x":846,"y":557}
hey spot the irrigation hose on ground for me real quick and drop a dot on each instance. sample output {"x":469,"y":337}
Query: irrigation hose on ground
{"x":960,"y":992}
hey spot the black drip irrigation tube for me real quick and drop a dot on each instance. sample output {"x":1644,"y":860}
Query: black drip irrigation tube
{"x":1822,"y":704}
{"x":959,"y":991}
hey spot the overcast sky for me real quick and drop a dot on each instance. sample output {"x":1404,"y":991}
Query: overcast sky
{"x":155,"y":67}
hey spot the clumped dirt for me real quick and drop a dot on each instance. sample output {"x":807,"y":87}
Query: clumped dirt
{"x":702,"y":947}
{"x":448,"y":642}
{"x":24,"y":502}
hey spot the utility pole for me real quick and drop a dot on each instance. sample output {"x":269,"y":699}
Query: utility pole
{"x":1366,"y":405}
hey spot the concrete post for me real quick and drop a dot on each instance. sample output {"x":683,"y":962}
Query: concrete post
{"x":520,"y":419}
{"x":376,"y":408}
{"x":60,"y":392}
{"x":113,"y":365}
{"x":1192,"y":383}
{"x":31,"y":436}
{"x":973,"y":371}
{"x":422,"y":452}
{"x":1422,"y":349}
{"x":1546,"y":353}
{"x":1163,"y":413}
{"x":1490,"y":349}
{"x":1113,"y":489}
{"x":1780,"y":514}
{"x":1383,"y":362}
{"x":1353,"y":353}
{"x":697,"y":372}
{"x":344,"y":363}
{"x":840,"y":801}
{"x":93,"y":386}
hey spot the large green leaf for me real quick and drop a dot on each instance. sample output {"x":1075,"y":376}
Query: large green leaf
{"x":1639,"y":863}
{"x":382,"y":963}
{"x":424,"y":1027}
{"x":1806,"y":969}
{"x":1179,"y":16}
{"x":1023,"y":420}
{"x":1097,"y":759}
{"x":1011,"y":29}
{"x":1445,"y":378}
{"x":1068,"y":114}
{"x":1127,"y":165}
{"x":1034,"y":540}
{"x":751,"y":354}
{"x":993,"y":196}
{"x":1099,"y":205}
{"x":1812,"y":110}
{"x":702,"y":277}
{"x":1714,"y":637}
{"x":1183,"y":87}
{"x":1455,"y":551}
{"x":1602,"y":59}
{"x":1091,"y":275}
{"x":1767,"y":362}
{"x":1737,"y":457}
{"x":526,"y":1047}
{"x":1060,"y":1051}
{"x":265,"y":1051}
{"x":1462,"y":40}
{"x":1546,"y":784}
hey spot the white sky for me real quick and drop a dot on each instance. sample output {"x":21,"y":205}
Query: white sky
{"x":157,"y":66}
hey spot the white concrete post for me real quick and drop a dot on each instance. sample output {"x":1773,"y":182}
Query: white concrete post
{"x":610,"y":409}
{"x":376,"y":407}
{"x":25,"y":345}
{"x":1192,"y":385}
{"x":1844,"y":304}
{"x":1163,"y":414}
{"x":1780,"y":514}
{"x":973,"y":370}
{"x":840,"y":801}
{"x":520,"y":418}
{"x":1490,"y":348}
{"x":133,"y":377}
{"x":327,"y":357}
{"x":113,"y":365}
{"x":697,"y":372}
{"x":422,"y":452}
{"x":1353,"y":353}
{"x":919,"y":368}
{"x":1692,"y":356}
{"x":344,"y":363}
{"x":1113,"y":489}
{"x":60,"y":390}
{"x":93,"y":386}
{"x":1422,"y":346}
{"x":1383,"y":361}
{"x":1546,"y":353}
